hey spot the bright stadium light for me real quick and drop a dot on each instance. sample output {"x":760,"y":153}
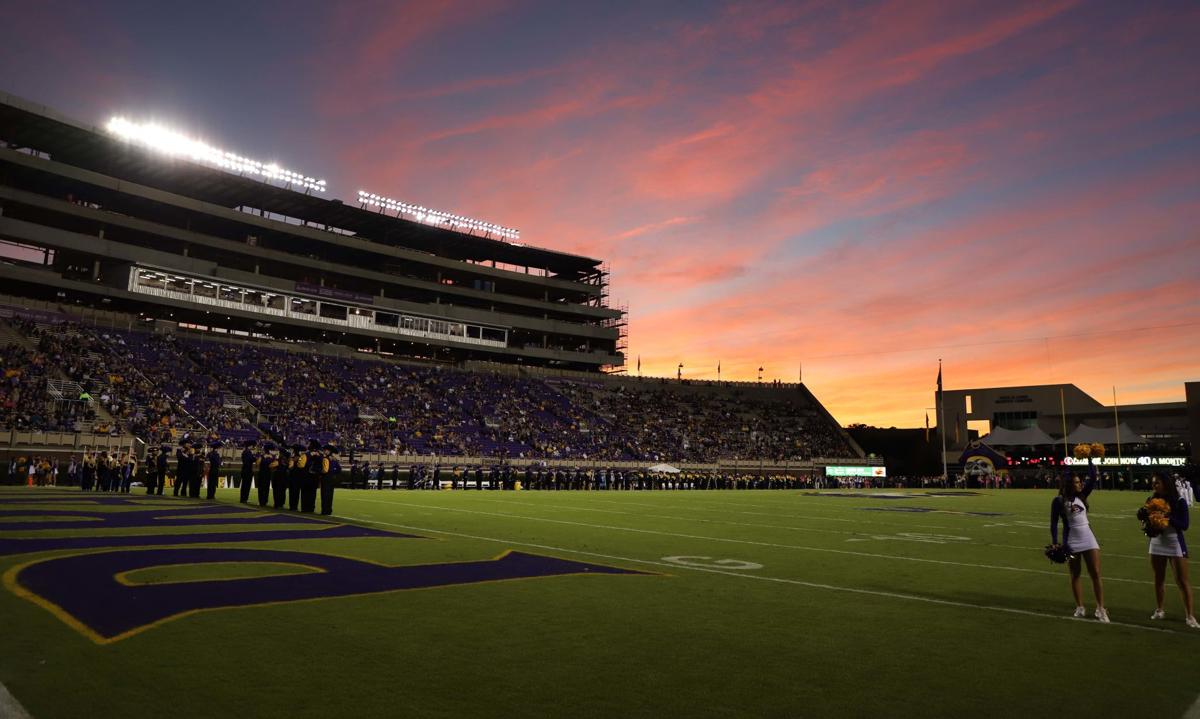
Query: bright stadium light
{"x":436,"y":217}
{"x":170,"y":142}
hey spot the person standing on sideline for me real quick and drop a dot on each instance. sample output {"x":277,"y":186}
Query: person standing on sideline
{"x":279,"y":478}
{"x":179,"y":486}
{"x":1071,"y":507}
{"x":295,"y":477}
{"x":267,"y":466}
{"x":196,"y":469}
{"x":330,"y":473}
{"x":315,"y":466}
{"x":163,"y":453}
{"x":214,"y":468}
{"x":1170,"y":547}
{"x":129,"y":472}
{"x":248,"y":460}
{"x":151,"y":469}
{"x":88,"y":471}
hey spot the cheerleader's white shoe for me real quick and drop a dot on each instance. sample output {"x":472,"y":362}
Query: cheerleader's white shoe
{"x":1158,"y":614}
{"x":1080,"y":613}
{"x":1191,"y":622}
{"x":1102,"y":615}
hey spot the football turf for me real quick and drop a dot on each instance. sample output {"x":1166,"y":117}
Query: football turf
{"x":735,"y":603}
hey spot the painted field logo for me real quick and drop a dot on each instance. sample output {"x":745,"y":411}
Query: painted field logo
{"x":87,"y":591}
{"x":94,"y":594}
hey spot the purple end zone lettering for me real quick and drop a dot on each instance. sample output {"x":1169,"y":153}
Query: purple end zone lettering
{"x":166,"y":517}
{"x":84,"y":591}
{"x":65,"y":498}
{"x":10,"y":546}
{"x":241,"y":523}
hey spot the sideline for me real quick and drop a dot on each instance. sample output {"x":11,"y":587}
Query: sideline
{"x":825,"y":550}
{"x":10,"y":708}
{"x":777,"y":580}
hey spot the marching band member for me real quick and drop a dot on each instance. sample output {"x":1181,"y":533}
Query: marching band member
{"x":330,"y":472}
{"x":248,"y":462}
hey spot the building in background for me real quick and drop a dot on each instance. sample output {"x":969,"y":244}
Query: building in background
{"x":1160,"y":431}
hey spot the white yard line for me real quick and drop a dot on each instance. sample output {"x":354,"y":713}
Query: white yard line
{"x":825,"y":550}
{"x":10,"y":708}
{"x":757,"y":577}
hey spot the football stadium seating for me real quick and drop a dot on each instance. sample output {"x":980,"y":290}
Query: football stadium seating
{"x":157,"y":386}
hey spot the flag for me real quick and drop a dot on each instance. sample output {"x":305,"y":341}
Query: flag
{"x":639,"y":364}
{"x":926,"y":426}
{"x":718,"y":368}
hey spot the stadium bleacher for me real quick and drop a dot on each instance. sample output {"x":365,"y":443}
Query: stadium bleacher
{"x":158,"y":387}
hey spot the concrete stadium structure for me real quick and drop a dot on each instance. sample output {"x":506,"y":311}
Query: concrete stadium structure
{"x":89,"y":217}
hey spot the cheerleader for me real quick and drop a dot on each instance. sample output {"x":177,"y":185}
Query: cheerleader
{"x":1170,"y":546}
{"x":1071,"y":507}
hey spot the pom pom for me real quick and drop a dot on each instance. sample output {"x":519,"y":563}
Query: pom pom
{"x":1097,"y":449}
{"x":1057,"y":553}
{"x":1083,"y":451}
{"x":1155,"y":516}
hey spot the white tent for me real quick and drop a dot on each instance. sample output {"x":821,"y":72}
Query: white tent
{"x":663,"y":468}
{"x":1030,"y":436}
{"x":1104,"y":435}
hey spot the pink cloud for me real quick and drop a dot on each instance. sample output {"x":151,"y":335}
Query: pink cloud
{"x":817,"y":208}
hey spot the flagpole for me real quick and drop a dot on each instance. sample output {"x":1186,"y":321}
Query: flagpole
{"x":942,"y":422}
{"x":1062,"y":402}
{"x":1117,"y":426}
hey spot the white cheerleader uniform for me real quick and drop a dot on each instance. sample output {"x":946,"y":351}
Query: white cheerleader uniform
{"x":1170,"y":543}
{"x":1166,"y":544}
{"x":1079,"y":533}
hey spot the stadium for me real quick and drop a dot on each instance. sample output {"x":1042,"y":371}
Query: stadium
{"x":200,"y":348}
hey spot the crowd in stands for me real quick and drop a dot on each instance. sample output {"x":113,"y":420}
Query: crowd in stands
{"x":158,"y":387}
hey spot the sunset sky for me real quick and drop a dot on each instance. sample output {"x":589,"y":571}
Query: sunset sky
{"x":860,"y":188}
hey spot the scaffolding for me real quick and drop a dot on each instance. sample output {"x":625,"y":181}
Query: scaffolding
{"x":621,"y":325}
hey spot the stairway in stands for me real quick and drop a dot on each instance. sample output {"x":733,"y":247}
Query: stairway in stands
{"x":60,"y":386}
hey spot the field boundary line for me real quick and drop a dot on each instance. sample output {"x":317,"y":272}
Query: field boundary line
{"x":777,"y":580}
{"x":801,"y":547}
{"x":9,"y":706}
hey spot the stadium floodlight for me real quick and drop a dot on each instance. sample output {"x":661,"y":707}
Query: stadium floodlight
{"x":436,"y":217}
{"x":168,"y":141}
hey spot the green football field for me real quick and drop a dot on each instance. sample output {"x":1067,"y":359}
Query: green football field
{"x":467,"y":603}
